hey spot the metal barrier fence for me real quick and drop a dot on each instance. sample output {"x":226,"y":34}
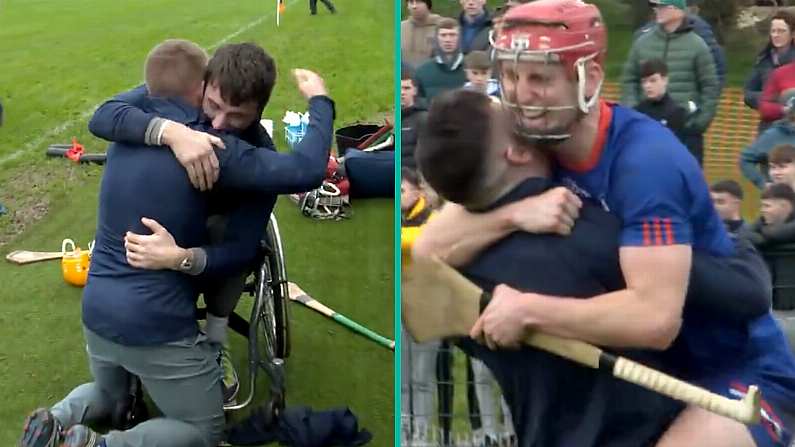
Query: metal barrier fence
{"x":449,"y":399}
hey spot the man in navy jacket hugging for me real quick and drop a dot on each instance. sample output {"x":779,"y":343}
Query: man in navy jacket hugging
{"x":139,"y":302}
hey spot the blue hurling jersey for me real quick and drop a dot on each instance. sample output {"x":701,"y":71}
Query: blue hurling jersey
{"x":639,"y":171}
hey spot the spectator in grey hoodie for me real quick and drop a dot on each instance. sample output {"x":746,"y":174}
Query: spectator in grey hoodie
{"x":754,"y":158}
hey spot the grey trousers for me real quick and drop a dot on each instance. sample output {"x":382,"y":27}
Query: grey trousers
{"x":485,"y":385}
{"x":418,"y":377}
{"x":183,"y":378}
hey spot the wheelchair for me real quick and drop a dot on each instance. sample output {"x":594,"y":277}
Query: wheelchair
{"x":267,"y":330}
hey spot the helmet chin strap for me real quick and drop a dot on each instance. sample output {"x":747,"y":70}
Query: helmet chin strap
{"x":586,"y":103}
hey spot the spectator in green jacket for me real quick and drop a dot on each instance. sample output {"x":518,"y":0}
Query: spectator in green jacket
{"x":446,"y":70}
{"x":693,"y":79}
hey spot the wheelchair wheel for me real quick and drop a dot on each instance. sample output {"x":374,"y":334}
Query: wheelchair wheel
{"x":271,"y":284}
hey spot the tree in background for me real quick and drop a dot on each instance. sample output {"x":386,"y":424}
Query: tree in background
{"x":721,"y":14}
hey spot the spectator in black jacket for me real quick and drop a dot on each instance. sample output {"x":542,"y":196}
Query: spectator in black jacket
{"x":778,"y":51}
{"x":727,"y":195}
{"x":412,"y":116}
{"x":777,"y":222}
{"x":658,"y":103}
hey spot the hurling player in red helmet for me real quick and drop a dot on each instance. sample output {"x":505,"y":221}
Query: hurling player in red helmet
{"x":549,"y":56}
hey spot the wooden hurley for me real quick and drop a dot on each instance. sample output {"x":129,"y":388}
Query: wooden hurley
{"x":28,"y":257}
{"x":297,"y":294}
{"x":439,"y":302}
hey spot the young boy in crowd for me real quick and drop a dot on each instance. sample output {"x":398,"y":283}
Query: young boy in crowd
{"x":776,"y":224}
{"x":478,"y":70}
{"x":781,"y":165}
{"x":658,"y":103}
{"x":727,"y":195}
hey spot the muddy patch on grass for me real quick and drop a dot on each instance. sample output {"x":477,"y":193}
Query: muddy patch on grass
{"x":26,"y":201}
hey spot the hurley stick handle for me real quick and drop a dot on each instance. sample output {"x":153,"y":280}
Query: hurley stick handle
{"x":356,"y":327}
{"x":746,"y":411}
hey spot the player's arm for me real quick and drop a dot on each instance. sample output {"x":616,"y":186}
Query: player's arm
{"x":237,"y":251}
{"x":122,"y":118}
{"x":655,"y":260}
{"x":126,"y":119}
{"x":647,"y":314}
{"x":245,"y":167}
{"x":457,"y":236}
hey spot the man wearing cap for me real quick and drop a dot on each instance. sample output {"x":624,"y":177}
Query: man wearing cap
{"x":693,"y":78}
{"x":704,"y":30}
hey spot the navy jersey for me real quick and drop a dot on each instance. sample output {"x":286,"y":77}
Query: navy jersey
{"x":640,"y":171}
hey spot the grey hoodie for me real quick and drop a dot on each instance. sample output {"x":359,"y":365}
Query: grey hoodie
{"x":753,"y":159}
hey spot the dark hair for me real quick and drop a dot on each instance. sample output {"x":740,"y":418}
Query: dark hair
{"x":410,"y":175}
{"x":652,"y":67}
{"x":780,"y":191}
{"x":406,"y":74}
{"x":446,"y":23}
{"x":729,"y":187}
{"x":453,"y":144}
{"x":427,"y":2}
{"x":787,"y":18}
{"x":477,"y":60}
{"x":244,"y":73}
{"x":783,"y":153}
{"x":173,"y":67}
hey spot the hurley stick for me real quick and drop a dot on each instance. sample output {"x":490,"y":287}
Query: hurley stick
{"x":28,"y":257}
{"x":297,"y":294}
{"x":439,"y":302}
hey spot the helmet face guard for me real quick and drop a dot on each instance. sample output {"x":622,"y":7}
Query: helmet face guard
{"x":549,"y":33}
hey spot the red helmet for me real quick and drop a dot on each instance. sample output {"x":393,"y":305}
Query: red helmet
{"x":569,"y":32}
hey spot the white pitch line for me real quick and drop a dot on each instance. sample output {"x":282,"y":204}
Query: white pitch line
{"x":88,"y":112}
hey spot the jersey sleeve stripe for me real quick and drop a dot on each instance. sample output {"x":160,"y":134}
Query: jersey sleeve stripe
{"x":669,"y":233}
{"x":657,"y":232}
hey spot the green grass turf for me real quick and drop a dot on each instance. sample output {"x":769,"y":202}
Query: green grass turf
{"x":61,"y":59}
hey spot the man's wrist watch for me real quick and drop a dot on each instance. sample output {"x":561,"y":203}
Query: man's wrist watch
{"x":187,"y":262}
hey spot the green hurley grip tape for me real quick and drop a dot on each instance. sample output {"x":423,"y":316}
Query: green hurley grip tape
{"x":356,"y":327}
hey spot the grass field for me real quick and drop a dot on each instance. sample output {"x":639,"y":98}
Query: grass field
{"x":61,"y":59}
